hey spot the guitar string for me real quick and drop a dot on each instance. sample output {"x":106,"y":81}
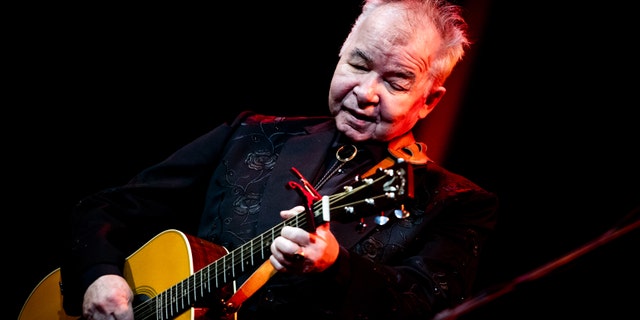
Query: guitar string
{"x":296,"y":220}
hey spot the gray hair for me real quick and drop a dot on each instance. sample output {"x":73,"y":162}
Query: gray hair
{"x":445,"y":16}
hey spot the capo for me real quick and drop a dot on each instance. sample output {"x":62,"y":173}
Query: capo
{"x":310,"y":194}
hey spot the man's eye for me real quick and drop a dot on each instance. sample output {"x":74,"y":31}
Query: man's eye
{"x":359,"y":67}
{"x":398,"y":85}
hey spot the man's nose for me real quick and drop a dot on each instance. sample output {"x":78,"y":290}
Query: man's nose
{"x":367,"y":91}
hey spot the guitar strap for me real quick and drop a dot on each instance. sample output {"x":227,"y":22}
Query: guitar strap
{"x":249,"y":287}
{"x":405,"y":147}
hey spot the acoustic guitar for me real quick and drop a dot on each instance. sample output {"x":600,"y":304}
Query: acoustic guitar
{"x":179,"y":276}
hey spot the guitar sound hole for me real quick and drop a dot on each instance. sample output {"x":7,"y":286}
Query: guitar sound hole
{"x":140,"y":298}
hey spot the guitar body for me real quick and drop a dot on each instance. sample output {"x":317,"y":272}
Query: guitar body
{"x":45,"y":301}
{"x":165,"y":260}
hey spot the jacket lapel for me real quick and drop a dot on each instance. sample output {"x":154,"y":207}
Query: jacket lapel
{"x":306,"y":153}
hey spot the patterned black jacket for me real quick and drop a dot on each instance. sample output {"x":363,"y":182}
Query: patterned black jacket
{"x":229,"y":186}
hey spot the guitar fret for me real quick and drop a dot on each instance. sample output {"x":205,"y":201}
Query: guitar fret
{"x":166,"y":304}
{"x":159,"y":307}
{"x":175,"y":298}
{"x":202,"y":284}
{"x":216,"y":273}
{"x":241,"y":259}
{"x":173,"y":289}
{"x":197,"y":285}
{"x":188,"y":292}
{"x":183,"y":291}
{"x":262,"y":244}
{"x":224,"y":278}
{"x":233,"y":265}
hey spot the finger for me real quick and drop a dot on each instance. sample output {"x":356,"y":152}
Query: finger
{"x":296,"y":235}
{"x":276,"y":253}
{"x":284,"y":250}
{"x":286,"y":214}
{"x":276,"y":264}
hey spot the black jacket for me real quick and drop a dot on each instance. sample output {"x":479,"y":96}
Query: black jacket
{"x":228,"y":187}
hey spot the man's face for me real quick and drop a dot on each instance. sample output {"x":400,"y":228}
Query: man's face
{"x":381,"y":85}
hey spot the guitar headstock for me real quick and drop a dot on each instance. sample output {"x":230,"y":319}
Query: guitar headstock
{"x":370,"y":194}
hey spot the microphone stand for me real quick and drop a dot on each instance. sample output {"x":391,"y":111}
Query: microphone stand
{"x":495,"y":292}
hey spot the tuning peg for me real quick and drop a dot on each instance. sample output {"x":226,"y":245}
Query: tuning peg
{"x":381,"y":220}
{"x":401,"y":213}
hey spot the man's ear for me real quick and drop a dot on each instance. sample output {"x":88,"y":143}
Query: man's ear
{"x":432,"y":100}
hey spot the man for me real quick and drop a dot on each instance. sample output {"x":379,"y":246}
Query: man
{"x":234,"y":184}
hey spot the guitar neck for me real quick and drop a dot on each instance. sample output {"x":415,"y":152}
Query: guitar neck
{"x":244,"y":258}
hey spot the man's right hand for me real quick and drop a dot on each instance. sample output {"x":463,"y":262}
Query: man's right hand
{"x":109,"y":297}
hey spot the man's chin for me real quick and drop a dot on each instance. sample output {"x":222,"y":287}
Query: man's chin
{"x":353,"y":133}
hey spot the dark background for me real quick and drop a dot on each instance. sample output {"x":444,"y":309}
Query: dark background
{"x":545,"y":116}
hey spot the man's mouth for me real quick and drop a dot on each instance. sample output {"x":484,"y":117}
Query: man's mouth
{"x":359,"y":116}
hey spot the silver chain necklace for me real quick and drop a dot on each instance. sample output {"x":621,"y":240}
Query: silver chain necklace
{"x":344,"y":154}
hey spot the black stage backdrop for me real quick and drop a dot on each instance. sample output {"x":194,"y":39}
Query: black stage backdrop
{"x":544,"y":116}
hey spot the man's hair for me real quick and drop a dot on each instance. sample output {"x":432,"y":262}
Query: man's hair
{"x":445,"y":16}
